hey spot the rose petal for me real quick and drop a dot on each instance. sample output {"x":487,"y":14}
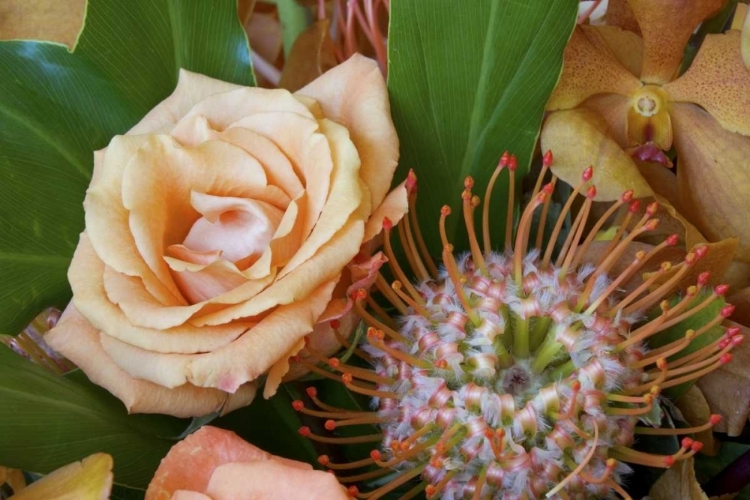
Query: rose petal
{"x":727,"y":389}
{"x":718,"y":81}
{"x":621,"y":15}
{"x":86,"y":275}
{"x":625,"y":46}
{"x":190,"y":462}
{"x":354,"y":94}
{"x":272,"y":479}
{"x":228,"y":368}
{"x":189,"y":495}
{"x":281,"y":368}
{"x":325,"y":265}
{"x":712,"y":175}
{"x":256,"y":351}
{"x":238,"y":227}
{"x":160,"y":217}
{"x":666,"y":28}
{"x":394,"y":207}
{"x":745,"y":37}
{"x":77,"y":340}
{"x":206,"y":282}
{"x":588,"y":71}
{"x":89,"y":479}
{"x":191,"y":88}
{"x":579,"y":138}
{"x":346,"y":195}
{"x":107,"y":221}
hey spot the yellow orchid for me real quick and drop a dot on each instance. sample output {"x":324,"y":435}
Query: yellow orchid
{"x":620,"y":92}
{"x":622,"y":104}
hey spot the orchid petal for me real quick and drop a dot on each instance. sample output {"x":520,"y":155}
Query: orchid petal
{"x":667,"y":26}
{"x":621,"y":15}
{"x":588,"y":71}
{"x":89,"y":479}
{"x":579,"y":138}
{"x":625,"y":46}
{"x":718,"y":81}
{"x":713,"y":179}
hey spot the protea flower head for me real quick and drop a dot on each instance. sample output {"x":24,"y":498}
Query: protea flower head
{"x":515,"y":375}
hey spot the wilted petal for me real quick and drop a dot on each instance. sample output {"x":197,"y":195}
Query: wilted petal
{"x":579,"y":138}
{"x":678,"y":482}
{"x":587,"y":71}
{"x":727,"y":389}
{"x":89,"y":479}
{"x":354,"y":94}
{"x":272,"y":479}
{"x":718,"y":81}
{"x":666,"y":27}
{"x":626,"y":46}
{"x":712,"y":175}
{"x":77,"y":340}
{"x":695,"y":409}
{"x":312,"y":55}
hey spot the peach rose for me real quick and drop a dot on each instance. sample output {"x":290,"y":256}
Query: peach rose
{"x":217,"y":234}
{"x":215,"y":464}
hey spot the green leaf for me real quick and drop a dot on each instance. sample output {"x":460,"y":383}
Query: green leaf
{"x":677,"y":332}
{"x":467,"y":81}
{"x":58,"y":107}
{"x":47,"y":421}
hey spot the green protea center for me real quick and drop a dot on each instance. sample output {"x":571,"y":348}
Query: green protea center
{"x":519,"y":376}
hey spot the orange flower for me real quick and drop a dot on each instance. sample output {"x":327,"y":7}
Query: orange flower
{"x":217,"y":464}
{"x":217,"y":231}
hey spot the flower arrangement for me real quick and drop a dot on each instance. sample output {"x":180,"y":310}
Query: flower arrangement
{"x":374,"y":249}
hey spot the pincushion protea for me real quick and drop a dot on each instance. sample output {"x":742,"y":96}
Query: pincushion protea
{"x":516,"y":375}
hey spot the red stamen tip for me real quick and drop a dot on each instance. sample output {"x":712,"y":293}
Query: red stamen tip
{"x":651,"y":224}
{"x":715,"y":419}
{"x":352,"y":491}
{"x":360,"y":294}
{"x":547,"y":159}
{"x":335,"y":324}
{"x":469,"y":182}
{"x":445,"y":211}
{"x":513,"y":163}
{"x":411,"y":181}
{"x":732,"y":331}
{"x":304,"y":431}
{"x":347,"y":378}
{"x":721,"y":290}
{"x":375,"y":455}
{"x":334,"y":362}
{"x":504,"y":159}
{"x":737,"y":340}
{"x":687,"y":442}
{"x":701,"y":251}
{"x":652,"y":208}
{"x":697,"y":446}
{"x":634,"y":206}
{"x":672,"y":240}
{"x":661,"y":363}
{"x":588,"y":173}
{"x":703,"y":278}
{"x":430,"y":490}
{"x":726,"y":358}
{"x":727,"y":310}
{"x":330,"y":425}
{"x":324,"y":460}
{"x":669,"y":461}
{"x":576,"y":385}
{"x":311,"y":391}
{"x":387,"y":224}
{"x":611,"y":463}
{"x":591,"y":192}
{"x":298,"y":405}
{"x":627,"y":196}
{"x":548,"y":188}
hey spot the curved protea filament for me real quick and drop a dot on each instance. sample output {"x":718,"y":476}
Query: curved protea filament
{"x":517,"y":375}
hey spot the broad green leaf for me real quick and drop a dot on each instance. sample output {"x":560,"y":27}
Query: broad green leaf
{"x":58,"y":107}
{"x":47,"y":421}
{"x":467,"y":81}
